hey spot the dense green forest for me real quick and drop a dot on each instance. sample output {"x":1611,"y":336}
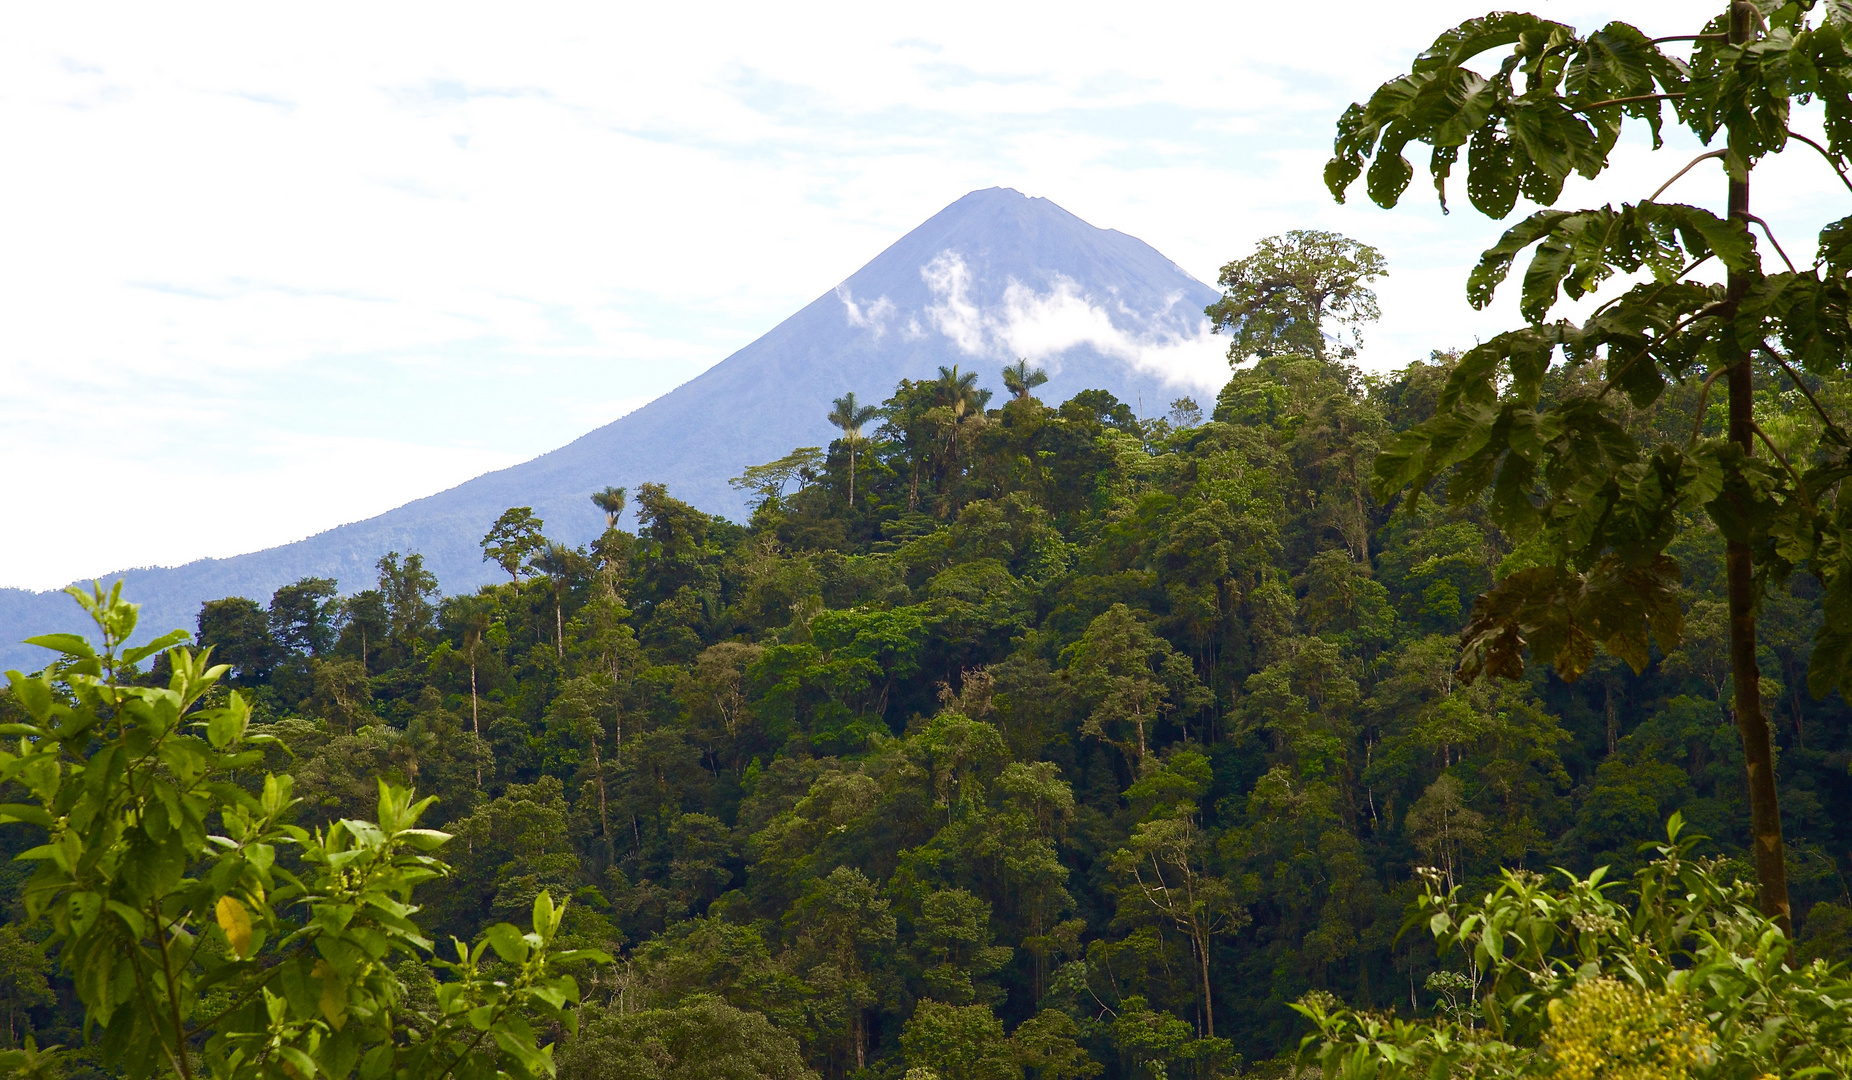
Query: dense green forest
{"x":1017,"y":742}
{"x":1046,"y":742}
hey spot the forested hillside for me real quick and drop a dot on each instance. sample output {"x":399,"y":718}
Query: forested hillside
{"x":1007,"y":740}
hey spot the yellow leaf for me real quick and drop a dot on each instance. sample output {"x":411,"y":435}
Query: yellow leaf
{"x":236,"y":922}
{"x":334,"y":994}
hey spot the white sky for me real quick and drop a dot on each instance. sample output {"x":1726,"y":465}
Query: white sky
{"x":266,"y":269}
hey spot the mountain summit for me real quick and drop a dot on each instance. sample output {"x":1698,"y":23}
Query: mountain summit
{"x":993,"y":277}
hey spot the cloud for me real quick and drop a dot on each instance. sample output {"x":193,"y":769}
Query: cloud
{"x":872,"y":317}
{"x":1045,"y":325}
{"x":954,"y":314}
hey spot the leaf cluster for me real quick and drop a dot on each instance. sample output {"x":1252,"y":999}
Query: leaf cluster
{"x":203,"y":930}
{"x":1561,"y":966}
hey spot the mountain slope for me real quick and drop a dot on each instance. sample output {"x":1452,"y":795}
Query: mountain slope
{"x":992,"y":277}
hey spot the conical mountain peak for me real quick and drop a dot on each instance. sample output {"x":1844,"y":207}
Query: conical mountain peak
{"x":995,"y":276}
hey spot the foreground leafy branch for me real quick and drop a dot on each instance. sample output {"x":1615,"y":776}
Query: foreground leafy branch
{"x":193,"y":945}
{"x":1688,"y":979}
{"x":1562,"y":473}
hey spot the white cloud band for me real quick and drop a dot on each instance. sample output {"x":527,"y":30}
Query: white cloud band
{"x":1044,"y":326}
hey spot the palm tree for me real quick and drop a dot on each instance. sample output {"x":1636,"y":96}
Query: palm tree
{"x":960,"y":393}
{"x":559,"y":563}
{"x":1019,"y":378}
{"x":611,"y":501}
{"x":850,"y":416}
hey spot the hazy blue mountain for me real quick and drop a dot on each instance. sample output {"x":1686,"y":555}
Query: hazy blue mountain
{"x":994,"y":276}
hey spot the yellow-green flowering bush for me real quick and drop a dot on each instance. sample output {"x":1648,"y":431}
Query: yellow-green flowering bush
{"x":1607,"y":1029}
{"x":1683,"y":979}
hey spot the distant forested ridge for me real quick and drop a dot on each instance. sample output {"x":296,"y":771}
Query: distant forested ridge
{"x":1072,"y":744}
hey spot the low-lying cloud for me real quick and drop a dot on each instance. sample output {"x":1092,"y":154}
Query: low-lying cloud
{"x":1043,"y":326}
{"x":871,"y":316}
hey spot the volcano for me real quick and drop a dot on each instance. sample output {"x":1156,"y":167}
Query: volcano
{"x":994,"y":277}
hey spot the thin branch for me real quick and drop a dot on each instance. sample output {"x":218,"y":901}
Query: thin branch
{"x":173,"y":998}
{"x":148,"y":1006}
{"x":471,"y":1048}
{"x":1770,"y":233}
{"x":1635,"y":358}
{"x":204,"y":1025}
{"x":1802,"y":387}
{"x":1698,"y":423}
{"x":1654,"y":197}
{"x":1689,"y":267}
{"x":1825,"y":153}
{"x":1689,"y":37}
{"x":1800,"y":486}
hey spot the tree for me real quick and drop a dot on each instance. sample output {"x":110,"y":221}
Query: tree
{"x":1153,"y":1042}
{"x":1130,"y":678}
{"x":1047,"y":1044}
{"x":842,"y":926}
{"x":846,"y":414}
{"x":238,"y":633}
{"x":516,"y":847}
{"x":302,"y":615}
{"x":1280,"y":299}
{"x":580,"y":708}
{"x":1570,"y":480}
{"x":768,"y":480}
{"x":475,"y":614}
{"x":366,"y":616}
{"x":341,"y":695}
{"x":952,"y":944}
{"x":1166,"y":862}
{"x":148,"y":909}
{"x":678,"y":547}
{"x":959,"y":1042}
{"x":560,"y":564}
{"x":958,"y":395}
{"x":611,"y":501}
{"x":1020,"y":379}
{"x":702,"y":1038}
{"x":1102,"y":408}
{"x":22,"y":981}
{"x":513,"y":539}
{"x":1444,"y":829}
{"x":1185,"y":413}
{"x":408,"y":589}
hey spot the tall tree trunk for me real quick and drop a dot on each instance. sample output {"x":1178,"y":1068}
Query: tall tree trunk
{"x":1751,"y":724}
{"x":1607,"y":697}
{"x":1202,"y":951}
{"x":852,"y":472}
{"x":475,"y":718}
{"x":559,"y":627}
{"x":604,"y":818}
{"x":1040,"y":954}
{"x":1363,"y":520}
